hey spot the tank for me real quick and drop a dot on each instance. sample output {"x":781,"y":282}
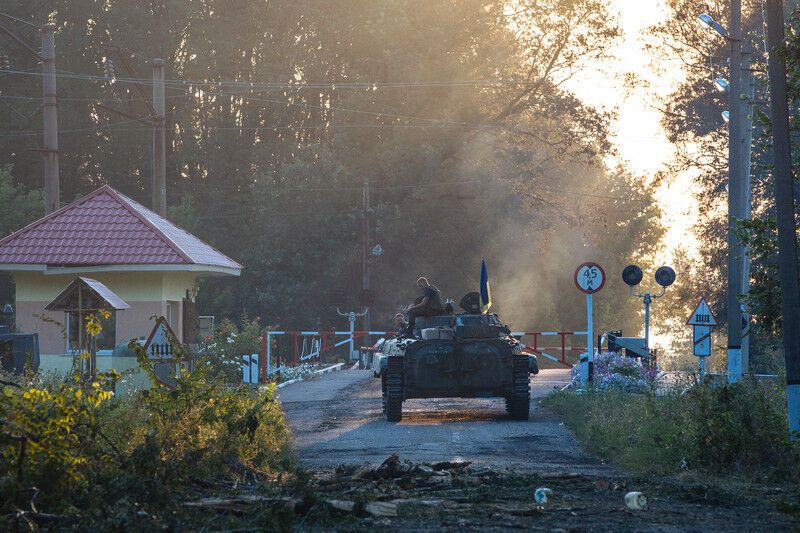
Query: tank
{"x":456,"y":355}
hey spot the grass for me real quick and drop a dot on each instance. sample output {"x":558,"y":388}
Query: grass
{"x":722,"y":430}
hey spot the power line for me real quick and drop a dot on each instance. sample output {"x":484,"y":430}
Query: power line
{"x":12,"y":17}
{"x":382,"y":114}
{"x":87,"y":98}
{"x":30,"y":133}
{"x":175,"y":82}
{"x":300,"y":85}
{"x":238,"y":128}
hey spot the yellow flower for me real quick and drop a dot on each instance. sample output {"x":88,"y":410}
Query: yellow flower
{"x":93,"y":327}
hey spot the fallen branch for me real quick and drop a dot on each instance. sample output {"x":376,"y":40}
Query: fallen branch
{"x":238,"y":504}
{"x":43,"y":518}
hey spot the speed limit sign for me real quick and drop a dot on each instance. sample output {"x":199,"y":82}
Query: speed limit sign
{"x":590,"y":278}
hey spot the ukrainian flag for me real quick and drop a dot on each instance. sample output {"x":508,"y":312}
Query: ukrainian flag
{"x":486,"y":292}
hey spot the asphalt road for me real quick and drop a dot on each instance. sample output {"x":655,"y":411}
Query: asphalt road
{"x":337,"y":419}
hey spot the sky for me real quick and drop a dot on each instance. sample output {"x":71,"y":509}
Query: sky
{"x":641,"y":142}
{"x":642,"y":145}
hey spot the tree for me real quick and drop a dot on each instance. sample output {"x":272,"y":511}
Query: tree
{"x":457,"y":113}
{"x":692,"y":117}
{"x":21,"y":206}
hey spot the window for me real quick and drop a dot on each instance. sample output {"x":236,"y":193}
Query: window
{"x":174,"y":317}
{"x":105,"y":341}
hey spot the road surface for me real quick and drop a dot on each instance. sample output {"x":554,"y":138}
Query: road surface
{"x":337,"y":419}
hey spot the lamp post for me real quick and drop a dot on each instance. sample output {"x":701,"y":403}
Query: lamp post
{"x":738,"y":185}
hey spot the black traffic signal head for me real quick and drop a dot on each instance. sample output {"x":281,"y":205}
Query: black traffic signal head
{"x":665,"y":276}
{"x":632,"y":275}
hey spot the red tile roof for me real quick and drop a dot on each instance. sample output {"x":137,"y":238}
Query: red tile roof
{"x":106,"y":227}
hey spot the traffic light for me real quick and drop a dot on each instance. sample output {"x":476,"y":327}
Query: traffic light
{"x":632,"y":275}
{"x":665,"y":276}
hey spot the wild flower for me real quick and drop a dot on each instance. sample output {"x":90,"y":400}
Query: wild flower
{"x":620,"y":372}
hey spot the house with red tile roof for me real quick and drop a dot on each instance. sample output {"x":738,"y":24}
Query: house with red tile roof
{"x":149,"y":262}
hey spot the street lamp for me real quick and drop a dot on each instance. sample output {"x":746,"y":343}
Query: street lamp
{"x":739,"y":120}
{"x":709,"y":22}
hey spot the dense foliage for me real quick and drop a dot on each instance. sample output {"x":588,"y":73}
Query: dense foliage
{"x":692,"y":119}
{"x":704,"y":428}
{"x":221,"y":354}
{"x":71,"y":451}
{"x":458,"y":114}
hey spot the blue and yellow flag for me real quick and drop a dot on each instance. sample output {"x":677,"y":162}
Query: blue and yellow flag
{"x":486,"y":292}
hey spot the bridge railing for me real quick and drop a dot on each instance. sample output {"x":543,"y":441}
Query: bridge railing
{"x":304,"y":346}
{"x":310,"y":345}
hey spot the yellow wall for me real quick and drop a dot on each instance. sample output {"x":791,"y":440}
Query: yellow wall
{"x":130,"y":286}
{"x":146,"y":292}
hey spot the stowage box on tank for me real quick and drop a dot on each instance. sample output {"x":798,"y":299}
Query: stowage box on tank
{"x":464,"y":355}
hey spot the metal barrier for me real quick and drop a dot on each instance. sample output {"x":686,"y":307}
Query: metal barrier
{"x":307,"y":345}
{"x":304,"y":346}
{"x":535,"y":348}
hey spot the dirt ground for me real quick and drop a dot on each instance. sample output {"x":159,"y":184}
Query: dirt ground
{"x":463,"y":465}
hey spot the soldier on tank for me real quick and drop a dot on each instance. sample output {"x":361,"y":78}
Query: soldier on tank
{"x":428,"y":304}
{"x":400,"y":323}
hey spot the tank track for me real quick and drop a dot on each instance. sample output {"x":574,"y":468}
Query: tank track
{"x":393,"y":391}
{"x":383,"y":393}
{"x":518,"y":404}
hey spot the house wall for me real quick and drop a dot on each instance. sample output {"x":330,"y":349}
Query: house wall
{"x":146,"y":292}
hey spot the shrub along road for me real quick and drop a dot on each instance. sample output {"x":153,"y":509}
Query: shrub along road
{"x":337,"y":420}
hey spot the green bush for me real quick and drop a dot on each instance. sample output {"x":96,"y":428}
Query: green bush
{"x":79,"y":450}
{"x":49,"y":438}
{"x":720,"y":429}
{"x":222,"y":353}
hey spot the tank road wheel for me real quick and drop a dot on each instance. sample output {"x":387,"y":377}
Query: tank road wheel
{"x":518,"y":405}
{"x":393,"y":392}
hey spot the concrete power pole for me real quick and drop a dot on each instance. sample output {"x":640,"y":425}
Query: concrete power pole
{"x":784,"y":209}
{"x":748,"y":81}
{"x":50,"y":112}
{"x":365,"y":257}
{"x":159,"y":140}
{"x":735,"y":195}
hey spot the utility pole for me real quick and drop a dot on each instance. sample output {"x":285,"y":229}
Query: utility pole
{"x":47,"y":56}
{"x":159,"y":141}
{"x":365,"y":257}
{"x":735,"y":195}
{"x":748,"y":81}
{"x":50,"y":112}
{"x":784,"y":209}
